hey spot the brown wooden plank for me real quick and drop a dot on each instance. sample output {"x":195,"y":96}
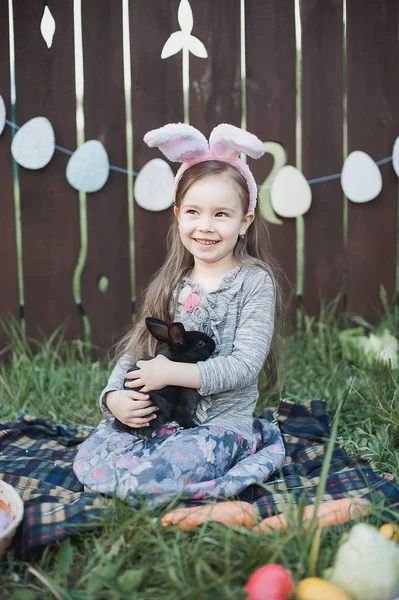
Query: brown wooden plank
{"x":271,"y":112}
{"x":110,"y":312}
{"x":157,"y":99}
{"x":373,"y":125}
{"x":50,"y":211}
{"x":215,"y":84}
{"x":9,"y":297}
{"x":322,"y":149}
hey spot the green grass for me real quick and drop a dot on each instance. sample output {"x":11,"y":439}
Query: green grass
{"x":130,"y":555}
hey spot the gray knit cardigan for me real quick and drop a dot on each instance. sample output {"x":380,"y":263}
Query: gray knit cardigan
{"x":239,"y":315}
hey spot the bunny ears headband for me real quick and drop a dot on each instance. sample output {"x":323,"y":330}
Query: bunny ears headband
{"x":183,"y":143}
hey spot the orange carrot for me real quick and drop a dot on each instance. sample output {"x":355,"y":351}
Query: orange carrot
{"x":330,"y":513}
{"x":5,"y":506}
{"x":229,"y":513}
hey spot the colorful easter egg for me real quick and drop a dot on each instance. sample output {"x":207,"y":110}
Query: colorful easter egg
{"x":4,"y":520}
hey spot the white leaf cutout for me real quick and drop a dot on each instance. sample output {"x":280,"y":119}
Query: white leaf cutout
{"x":88,"y":168}
{"x":173,"y":44}
{"x":2,"y":115}
{"x":361,"y":179}
{"x":154,"y":186}
{"x":47,"y":27}
{"x":33,"y":145}
{"x":196,"y":47}
{"x":266,"y":207}
{"x":291,"y":195}
{"x":185,"y":16}
{"x":395,"y":155}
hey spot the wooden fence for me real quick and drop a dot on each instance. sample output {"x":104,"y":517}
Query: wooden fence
{"x":348,"y":98}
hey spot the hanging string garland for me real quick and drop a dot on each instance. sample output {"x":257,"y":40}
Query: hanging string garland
{"x":88,"y":169}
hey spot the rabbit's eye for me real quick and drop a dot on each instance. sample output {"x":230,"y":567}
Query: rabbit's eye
{"x":201,"y":343}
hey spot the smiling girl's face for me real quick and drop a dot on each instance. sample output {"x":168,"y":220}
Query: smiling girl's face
{"x":211,"y":218}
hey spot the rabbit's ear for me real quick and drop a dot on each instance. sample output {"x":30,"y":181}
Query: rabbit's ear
{"x":157,"y":328}
{"x":178,"y":141}
{"x":228,"y":140}
{"x":177,"y":334}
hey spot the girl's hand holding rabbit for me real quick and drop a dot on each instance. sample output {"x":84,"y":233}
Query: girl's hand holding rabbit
{"x":152,"y":374}
{"x":131,"y":407}
{"x":159,"y":372}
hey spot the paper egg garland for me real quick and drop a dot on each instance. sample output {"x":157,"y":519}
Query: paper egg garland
{"x":395,"y":156}
{"x":2,"y":115}
{"x":33,"y":145}
{"x":361,"y":179}
{"x":154,"y":186}
{"x":88,"y":168}
{"x":290,"y":195}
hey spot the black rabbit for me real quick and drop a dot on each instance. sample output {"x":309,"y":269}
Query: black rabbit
{"x":175,"y":403}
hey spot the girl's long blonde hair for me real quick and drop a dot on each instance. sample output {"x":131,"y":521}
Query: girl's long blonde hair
{"x":254,"y":249}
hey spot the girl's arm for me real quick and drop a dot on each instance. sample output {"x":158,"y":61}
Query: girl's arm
{"x":115,"y":381}
{"x":159,"y":372}
{"x":251,"y":344}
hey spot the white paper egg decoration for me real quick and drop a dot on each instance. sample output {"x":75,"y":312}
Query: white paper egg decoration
{"x":34,"y":143}
{"x":155,"y":185}
{"x":88,"y":168}
{"x":291,"y":195}
{"x":395,"y":155}
{"x":361,"y":179}
{"x":2,"y":115}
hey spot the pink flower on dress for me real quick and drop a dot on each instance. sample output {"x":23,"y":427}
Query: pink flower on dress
{"x":191,"y":302}
{"x":97,"y":474}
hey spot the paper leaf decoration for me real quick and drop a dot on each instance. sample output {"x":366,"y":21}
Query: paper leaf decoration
{"x":279,"y":159}
{"x":88,"y":168}
{"x":47,"y":27}
{"x":291,"y":195}
{"x":2,"y":115}
{"x":183,"y":40}
{"x":185,"y":17}
{"x":34,"y":143}
{"x":154,"y":187}
{"x":196,"y":47}
{"x":103,"y":283}
{"x":395,"y":155}
{"x":361,"y":179}
{"x":266,"y":207}
{"x":173,"y":45}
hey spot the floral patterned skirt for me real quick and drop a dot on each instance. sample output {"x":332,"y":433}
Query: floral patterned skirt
{"x":200,"y":464}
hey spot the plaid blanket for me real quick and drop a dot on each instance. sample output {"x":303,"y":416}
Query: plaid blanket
{"x":36,"y":457}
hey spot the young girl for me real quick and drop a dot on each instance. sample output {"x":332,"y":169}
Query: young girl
{"x":218,"y":278}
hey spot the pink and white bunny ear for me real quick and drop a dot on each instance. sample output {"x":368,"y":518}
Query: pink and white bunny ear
{"x":179,"y":142}
{"x":228,"y":140}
